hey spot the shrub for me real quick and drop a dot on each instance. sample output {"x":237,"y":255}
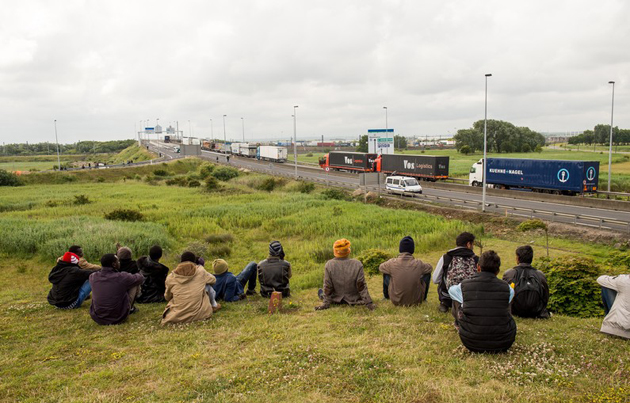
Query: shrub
{"x":219,"y":238}
{"x":225,"y":173}
{"x":81,"y":199}
{"x":51,"y":203}
{"x":538,"y":149}
{"x":573,"y":289}
{"x":309,"y":154}
{"x":198,"y":248}
{"x":335,"y":194}
{"x":149,"y":178}
{"x":269,"y":184}
{"x":124,"y":215}
{"x":206,"y":171}
{"x":161,"y":172}
{"x":219,"y":251}
{"x":465,"y":150}
{"x":212,"y":184}
{"x":305,"y":187}
{"x":177,"y":181}
{"x":371,"y":259}
{"x":100,"y":179}
{"x":194,"y":184}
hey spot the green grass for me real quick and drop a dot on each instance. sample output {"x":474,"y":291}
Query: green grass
{"x":243,"y":354}
{"x":134,"y":153}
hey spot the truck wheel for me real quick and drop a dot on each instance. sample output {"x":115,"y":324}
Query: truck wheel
{"x":475,"y":183}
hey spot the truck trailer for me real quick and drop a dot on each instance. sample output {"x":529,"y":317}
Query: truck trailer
{"x":545,"y":176}
{"x":271,"y":153}
{"x":247,"y":150}
{"x":348,"y":161}
{"x":427,"y":167}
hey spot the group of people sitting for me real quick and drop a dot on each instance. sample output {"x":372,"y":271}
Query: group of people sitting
{"x":482,"y":305}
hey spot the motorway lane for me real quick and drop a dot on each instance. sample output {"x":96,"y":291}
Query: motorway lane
{"x":495,"y":204}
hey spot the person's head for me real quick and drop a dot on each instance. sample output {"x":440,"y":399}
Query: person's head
{"x":124,"y":253}
{"x":275,"y":249}
{"x":489,"y":262}
{"x":465,"y":240}
{"x":189,"y":257}
{"x":341,"y":248}
{"x":219,"y":266}
{"x":407,"y":245}
{"x":524,"y":254}
{"x":76,"y":249}
{"x":110,"y":260}
{"x":155,"y":253}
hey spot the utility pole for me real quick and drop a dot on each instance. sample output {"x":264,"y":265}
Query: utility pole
{"x":57,"y":141}
{"x":295,"y":139}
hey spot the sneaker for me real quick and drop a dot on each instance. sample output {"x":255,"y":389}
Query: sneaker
{"x":133,"y":310}
{"x":216,"y":308}
{"x":320,"y":294}
{"x":443,"y":308}
{"x":250,"y":292}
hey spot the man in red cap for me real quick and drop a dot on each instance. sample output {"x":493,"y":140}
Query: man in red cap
{"x":70,"y":283}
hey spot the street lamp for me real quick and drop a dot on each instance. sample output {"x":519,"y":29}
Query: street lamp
{"x":224,"y":136}
{"x":57,"y":141}
{"x":189,"y":130}
{"x":211,"y":130}
{"x":243,"y":120}
{"x":295,"y":138}
{"x":386,"y":125}
{"x":612,"y":109}
{"x":485,"y":147}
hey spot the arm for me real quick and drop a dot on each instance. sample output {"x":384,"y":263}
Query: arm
{"x":168,"y":294}
{"x":456,"y":293}
{"x":384,"y":268}
{"x":328,"y":290}
{"x":511,"y":294}
{"x":132,"y":280}
{"x":608,"y":282}
{"x":210,"y":279}
{"x":363,"y":289}
{"x":437,"y":274}
{"x":85,"y":265}
{"x":509,"y":276}
{"x":289,"y":271}
{"x":426,"y":268}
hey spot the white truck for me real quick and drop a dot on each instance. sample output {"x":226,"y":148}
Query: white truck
{"x":272,"y":153}
{"x":248,"y":150}
{"x":235,"y":148}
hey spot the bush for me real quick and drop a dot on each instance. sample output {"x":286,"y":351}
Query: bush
{"x":198,"y":248}
{"x":219,"y":238}
{"x":206,"y":171}
{"x":194,"y":184}
{"x":305,"y":187}
{"x":335,"y":194}
{"x":269,"y":184}
{"x":225,"y":173}
{"x":573,"y":289}
{"x":100,"y":179}
{"x":465,"y":150}
{"x":177,"y":181}
{"x":309,"y":154}
{"x":81,"y":199}
{"x":212,"y":184}
{"x":372,"y":259}
{"x":538,"y":149}
{"x":124,"y":215}
{"x":532,"y":224}
{"x":161,"y":172}
{"x":219,"y":251}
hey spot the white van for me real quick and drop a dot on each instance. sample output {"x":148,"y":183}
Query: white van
{"x":402,"y":184}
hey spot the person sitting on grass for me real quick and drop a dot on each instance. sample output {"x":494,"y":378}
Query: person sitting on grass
{"x":531,"y":292}
{"x":127,"y":264}
{"x":274,"y":272}
{"x":344,"y":280}
{"x":84,"y":264}
{"x":484,"y":322}
{"x":405,"y":279}
{"x":616,"y":298}
{"x":154,"y":273}
{"x":231,"y":288}
{"x":70,"y":283}
{"x":189,"y":292}
{"x":113,"y":292}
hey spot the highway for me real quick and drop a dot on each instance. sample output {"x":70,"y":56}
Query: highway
{"x":548,"y":211}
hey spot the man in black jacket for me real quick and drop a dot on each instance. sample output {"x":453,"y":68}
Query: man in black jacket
{"x":456,"y":265}
{"x":154,"y":273}
{"x":484,"y":322}
{"x":274,"y":272}
{"x":530,"y":286}
{"x":70,"y":285}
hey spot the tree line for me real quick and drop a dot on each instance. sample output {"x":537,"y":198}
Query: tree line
{"x":601,"y":135}
{"x":81,"y":147}
{"x":502,"y":137}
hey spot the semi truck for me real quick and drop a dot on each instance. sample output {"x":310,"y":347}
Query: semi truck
{"x":272,"y":153}
{"x":348,"y":161}
{"x":544,"y":176}
{"x":426,"y":167}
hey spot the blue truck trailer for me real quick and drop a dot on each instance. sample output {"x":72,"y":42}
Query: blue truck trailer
{"x":545,"y":176}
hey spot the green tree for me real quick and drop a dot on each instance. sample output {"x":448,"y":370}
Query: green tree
{"x":400,"y":142}
{"x":363,"y":144}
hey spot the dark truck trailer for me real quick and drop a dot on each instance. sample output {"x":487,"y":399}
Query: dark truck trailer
{"x":348,"y":161}
{"x":555,"y":176}
{"x":428,"y":167}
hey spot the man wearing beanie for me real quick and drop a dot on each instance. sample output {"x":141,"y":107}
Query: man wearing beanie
{"x":405,"y":279}
{"x":127,"y":264}
{"x":154,"y":273}
{"x":344,"y":280}
{"x":70,"y":283}
{"x":231,"y":288}
{"x":274,"y":272}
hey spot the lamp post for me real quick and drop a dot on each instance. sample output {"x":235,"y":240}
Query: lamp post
{"x":189,"y":130}
{"x":243,"y":121}
{"x":57,"y":141}
{"x":612,"y":109}
{"x":224,"y":137}
{"x":386,"y":124}
{"x":485,"y":147}
{"x":211,"y":130}
{"x":295,"y":138}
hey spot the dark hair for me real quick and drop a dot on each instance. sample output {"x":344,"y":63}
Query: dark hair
{"x":155,"y":253}
{"x":189,"y":257}
{"x":75,"y":249}
{"x":525,"y":254}
{"x":108,"y":260}
{"x":490,"y":262}
{"x":463,"y":238}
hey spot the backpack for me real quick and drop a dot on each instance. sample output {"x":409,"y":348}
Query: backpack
{"x":528,"y":292}
{"x":460,"y":269}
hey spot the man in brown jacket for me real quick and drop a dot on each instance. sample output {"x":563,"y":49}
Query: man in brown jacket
{"x":405,"y":279}
{"x":83,"y":264}
{"x":344,"y":280}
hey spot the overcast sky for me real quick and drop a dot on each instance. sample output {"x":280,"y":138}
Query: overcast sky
{"x":101,"y":67}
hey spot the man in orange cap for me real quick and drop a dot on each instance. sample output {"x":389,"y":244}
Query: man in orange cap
{"x":344,"y":280}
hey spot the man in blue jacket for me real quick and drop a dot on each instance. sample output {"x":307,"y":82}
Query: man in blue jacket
{"x":231,"y":288}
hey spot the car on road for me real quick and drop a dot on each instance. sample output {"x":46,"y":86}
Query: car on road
{"x":402,"y":184}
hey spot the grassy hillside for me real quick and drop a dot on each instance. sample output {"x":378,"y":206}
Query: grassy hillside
{"x":243,"y":354}
{"x":133,"y":153}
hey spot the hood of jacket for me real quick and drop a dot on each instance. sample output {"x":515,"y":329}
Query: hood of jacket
{"x":58,"y":272}
{"x":461,"y":251}
{"x":185,"y":269}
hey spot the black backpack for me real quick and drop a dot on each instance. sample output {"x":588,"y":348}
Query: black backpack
{"x":528,"y":292}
